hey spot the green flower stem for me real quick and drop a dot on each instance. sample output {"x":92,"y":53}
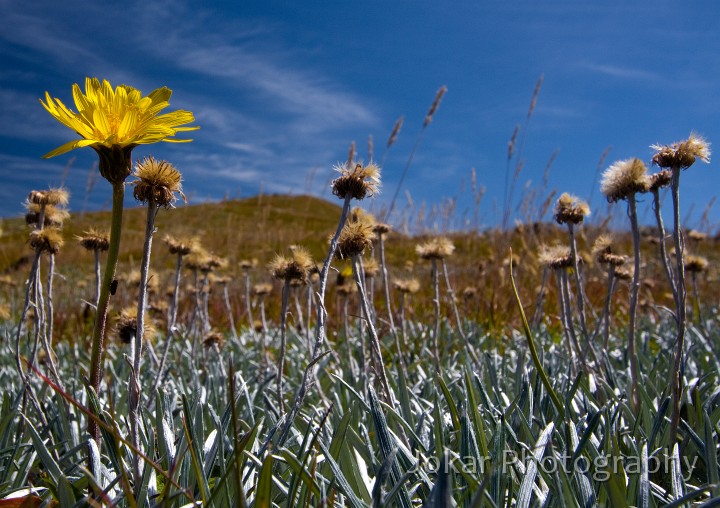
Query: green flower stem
{"x":533,"y":349}
{"x":98,"y":341}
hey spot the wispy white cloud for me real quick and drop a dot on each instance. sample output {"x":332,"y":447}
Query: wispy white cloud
{"x":621,"y":72}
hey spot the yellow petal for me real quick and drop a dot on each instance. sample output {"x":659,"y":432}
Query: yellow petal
{"x":70,"y":145}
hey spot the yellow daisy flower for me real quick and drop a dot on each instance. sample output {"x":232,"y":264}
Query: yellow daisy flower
{"x":117,"y":118}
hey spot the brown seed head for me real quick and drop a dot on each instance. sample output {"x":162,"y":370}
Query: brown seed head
{"x":262,"y":289}
{"x":603,"y":251}
{"x":126,"y":326}
{"x":435,"y":248}
{"x":570,"y":209}
{"x":660,"y":179}
{"x":682,"y":154}
{"x":180,"y":246}
{"x":371,"y":267}
{"x":157,"y":182}
{"x":354,"y":237}
{"x":624,"y":274}
{"x":55,"y":197}
{"x":381,"y":229}
{"x":697,"y":236}
{"x":469,"y":293}
{"x":54,"y":217}
{"x":247,"y":265}
{"x":94,"y":240}
{"x":48,"y":240}
{"x":294,"y":267}
{"x":695,"y":264}
{"x":624,"y":178}
{"x":555,"y":256}
{"x":435,"y":105}
{"x":407,"y":285}
{"x":356,"y":180}
{"x":212,"y":339}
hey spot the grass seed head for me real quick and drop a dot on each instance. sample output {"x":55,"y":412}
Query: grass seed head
{"x":682,"y":154}
{"x":570,"y":209}
{"x":624,"y":178}
{"x":356,"y":180}
{"x":157,"y":182}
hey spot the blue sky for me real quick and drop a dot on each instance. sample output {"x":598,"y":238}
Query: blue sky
{"x":281,"y":89}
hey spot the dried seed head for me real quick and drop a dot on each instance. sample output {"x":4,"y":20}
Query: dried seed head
{"x":435,"y":105}
{"x":660,"y":179}
{"x":395,"y":131}
{"x":469,"y":293}
{"x":360,"y":215}
{"x":356,"y":180}
{"x":381,"y":228}
{"x":555,"y":256}
{"x":48,"y":240}
{"x":294,"y":267}
{"x":54,"y":217}
{"x":371,"y":267}
{"x":262,"y":289}
{"x":346,"y":289}
{"x":94,"y":240}
{"x":570,"y":209}
{"x":246,"y":265}
{"x":624,"y":273}
{"x":695,"y":264}
{"x":55,"y":197}
{"x":180,"y":246}
{"x":354,"y":237}
{"x":624,"y":178}
{"x":683,"y":154}
{"x":602,"y":248}
{"x":435,"y":248}
{"x":407,"y":285}
{"x":126,"y":326}
{"x":212,"y":339}
{"x":697,"y":236}
{"x":157,"y":182}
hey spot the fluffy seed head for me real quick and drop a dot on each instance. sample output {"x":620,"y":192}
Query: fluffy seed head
{"x":294,"y":267}
{"x":262,"y":289}
{"x":54,"y":217}
{"x":695,"y":264}
{"x":435,"y":248}
{"x":55,"y":197}
{"x":660,"y":179}
{"x":469,"y":293}
{"x":624,"y":274}
{"x":354,"y":237}
{"x":94,"y":240}
{"x":356,"y":180}
{"x":624,"y":178}
{"x":48,"y":240}
{"x":371,"y":267}
{"x":126,"y":325}
{"x":697,"y":236}
{"x":570,"y":209}
{"x":555,"y":256}
{"x":180,"y":246}
{"x":157,"y":182}
{"x":212,"y":339}
{"x":381,"y":228}
{"x":602,"y":248}
{"x":682,"y":154}
{"x":407,"y":285}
